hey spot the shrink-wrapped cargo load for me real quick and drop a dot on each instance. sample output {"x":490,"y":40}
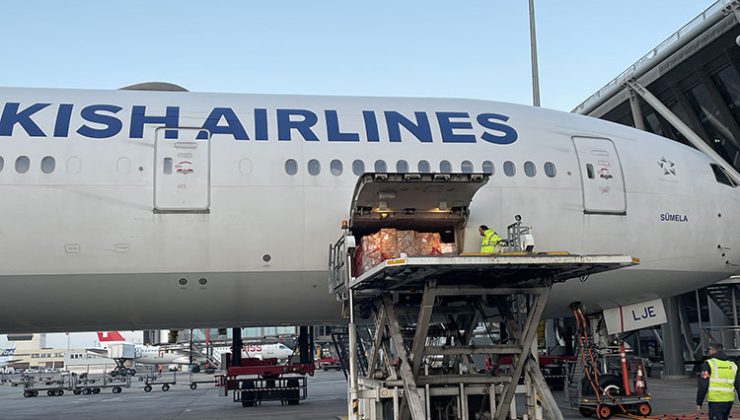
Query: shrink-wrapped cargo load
{"x":407,"y":243}
{"x":389,"y":244}
{"x":429,"y":244}
{"x":370,"y":250}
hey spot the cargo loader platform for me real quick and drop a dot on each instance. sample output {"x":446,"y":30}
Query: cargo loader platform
{"x":415,"y":304}
{"x":422,"y":313}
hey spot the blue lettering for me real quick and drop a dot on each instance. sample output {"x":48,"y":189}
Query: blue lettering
{"x":447,"y":127}
{"x":420,"y":129}
{"x":508,"y":134}
{"x":333,"y":131}
{"x":371,"y":126}
{"x":61,"y":126}
{"x":286,"y":124}
{"x":11,"y":117}
{"x":233,"y":125}
{"x":651,"y":311}
{"x":139,"y":118}
{"x":260,"y":124}
{"x":91,"y":114}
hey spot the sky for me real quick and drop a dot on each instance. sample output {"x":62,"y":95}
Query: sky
{"x":463,"y":49}
{"x":466,"y":49}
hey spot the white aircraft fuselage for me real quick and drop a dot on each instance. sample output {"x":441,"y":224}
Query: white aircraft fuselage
{"x":234,"y":229}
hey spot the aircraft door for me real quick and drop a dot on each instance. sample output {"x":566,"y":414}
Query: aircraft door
{"x":601,"y":176}
{"x":182,"y":173}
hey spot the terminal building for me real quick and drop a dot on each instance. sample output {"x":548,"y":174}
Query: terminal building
{"x":688,"y":89}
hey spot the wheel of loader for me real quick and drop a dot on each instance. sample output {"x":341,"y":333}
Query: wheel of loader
{"x":603,"y":411}
{"x":644,"y":409}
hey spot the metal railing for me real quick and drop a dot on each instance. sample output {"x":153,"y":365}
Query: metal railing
{"x":728,"y":337}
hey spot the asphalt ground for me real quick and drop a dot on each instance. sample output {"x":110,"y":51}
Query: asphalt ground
{"x":326,"y":400}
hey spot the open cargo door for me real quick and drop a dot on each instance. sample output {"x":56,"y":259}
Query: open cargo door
{"x":413,"y":201}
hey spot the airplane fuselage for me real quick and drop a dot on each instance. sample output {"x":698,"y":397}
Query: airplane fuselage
{"x":234,"y":229}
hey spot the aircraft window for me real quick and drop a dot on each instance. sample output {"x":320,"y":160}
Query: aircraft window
{"x":402,"y":166}
{"x":314,"y":167}
{"x":358,"y":167}
{"x":509,"y":168}
{"x":2,"y":163}
{"x":467,"y":167}
{"x":424,"y":167}
{"x":380,"y":166}
{"x":291,"y":167}
{"x":48,"y":164}
{"x":22,"y":164}
{"x":336,"y":167}
{"x":445,"y":167}
{"x":720,"y":175}
{"x":590,"y":171}
{"x":488,"y":167}
{"x":530,"y":169}
{"x":167,"y":166}
{"x":550,"y":169}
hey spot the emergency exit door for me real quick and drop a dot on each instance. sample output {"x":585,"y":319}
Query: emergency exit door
{"x":182,"y":170}
{"x":601,"y":176}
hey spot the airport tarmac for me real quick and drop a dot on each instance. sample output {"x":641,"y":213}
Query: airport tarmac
{"x":326,"y":400}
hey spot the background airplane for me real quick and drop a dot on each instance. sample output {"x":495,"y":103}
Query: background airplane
{"x":5,"y":357}
{"x":145,"y":354}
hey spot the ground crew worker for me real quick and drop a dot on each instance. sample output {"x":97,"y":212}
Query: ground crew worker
{"x":718,"y":382}
{"x":489,"y":241}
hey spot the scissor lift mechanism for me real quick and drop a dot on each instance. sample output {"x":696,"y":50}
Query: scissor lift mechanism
{"x":424,"y":309}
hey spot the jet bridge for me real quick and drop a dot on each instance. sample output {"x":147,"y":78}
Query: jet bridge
{"x":420,"y":313}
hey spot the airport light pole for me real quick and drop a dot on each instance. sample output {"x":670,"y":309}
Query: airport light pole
{"x":533,"y":49}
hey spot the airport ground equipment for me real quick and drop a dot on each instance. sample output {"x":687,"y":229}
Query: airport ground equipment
{"x":53,"y":385}
{"x":166,"y":380}
{"x":422,"y":311}
{"x":605,"y":381}
{"x":195,"y":382}
{"x":253,"y":380}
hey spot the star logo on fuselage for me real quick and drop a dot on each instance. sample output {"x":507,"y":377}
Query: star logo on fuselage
{"x":668,"y":167}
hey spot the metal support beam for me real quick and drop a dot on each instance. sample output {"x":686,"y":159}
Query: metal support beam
{"x":422,"y":328}
{"x":411,"y":393}
{"x":236,"y":346}
{"x":672,"y":344}
{"x":377,"y":341}
{"x":530,"y":332}
{"x":549,"y":405}
{"x":684,"y":129}
{"x":636,"y":111}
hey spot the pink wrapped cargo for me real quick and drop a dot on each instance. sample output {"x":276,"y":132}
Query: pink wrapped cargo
{"x":407,"y":243}
{"x":429,"y":244}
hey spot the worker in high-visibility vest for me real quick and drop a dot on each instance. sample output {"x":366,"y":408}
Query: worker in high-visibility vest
{"x":489,"y":240}
{"x":718,"y":382}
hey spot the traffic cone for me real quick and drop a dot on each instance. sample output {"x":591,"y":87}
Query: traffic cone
{"x":639,"y":382}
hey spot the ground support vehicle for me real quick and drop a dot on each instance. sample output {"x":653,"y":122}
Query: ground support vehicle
{"x":255,"y":381}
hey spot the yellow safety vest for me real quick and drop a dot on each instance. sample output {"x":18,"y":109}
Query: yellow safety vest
{"x":721,"y":381}
{"x":489,"y":241}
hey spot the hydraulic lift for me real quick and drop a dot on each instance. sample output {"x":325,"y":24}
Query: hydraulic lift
{"x":422,"y":311}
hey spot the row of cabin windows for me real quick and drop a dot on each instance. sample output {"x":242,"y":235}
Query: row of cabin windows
{"x":23,"y":164}
{"x":336,"y":167}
